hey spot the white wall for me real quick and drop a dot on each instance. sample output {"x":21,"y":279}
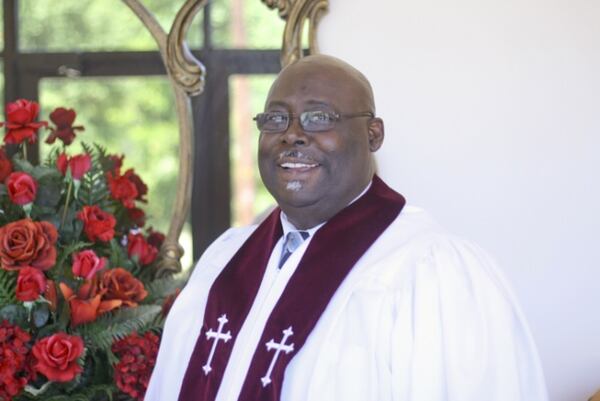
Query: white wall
{"x":492,"y":112}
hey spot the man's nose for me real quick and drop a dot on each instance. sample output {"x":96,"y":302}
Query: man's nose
{"x":295,"y":134}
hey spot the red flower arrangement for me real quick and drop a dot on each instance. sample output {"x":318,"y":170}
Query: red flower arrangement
{"x":76,"y":270}
{"x":137,"y":356}
{"x":15,"y":371}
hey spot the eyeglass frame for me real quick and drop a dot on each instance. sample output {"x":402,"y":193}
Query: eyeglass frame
{"x":291,"y":116}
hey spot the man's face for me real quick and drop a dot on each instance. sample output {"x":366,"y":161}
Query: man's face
{"x":316,"y":173}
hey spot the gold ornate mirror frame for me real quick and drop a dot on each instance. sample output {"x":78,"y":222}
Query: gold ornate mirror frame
{"x":187,"y":77}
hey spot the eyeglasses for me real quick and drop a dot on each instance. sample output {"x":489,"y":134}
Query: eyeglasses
{"x":310,"y":121}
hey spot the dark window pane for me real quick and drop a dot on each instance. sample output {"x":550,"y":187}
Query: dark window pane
{"x":131,"y":116}
{"x":87,"y":25}
{"x":250,"y":198}
{"x":245,"y":24}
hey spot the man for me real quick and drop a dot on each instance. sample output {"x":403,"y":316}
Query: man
{"x":343,"y":293}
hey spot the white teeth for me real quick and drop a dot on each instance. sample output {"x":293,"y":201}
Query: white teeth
{"x":297,"y":165}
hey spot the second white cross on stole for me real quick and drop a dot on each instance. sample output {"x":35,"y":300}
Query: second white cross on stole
{"x":216,"y":336}
{"x":278,"y":348}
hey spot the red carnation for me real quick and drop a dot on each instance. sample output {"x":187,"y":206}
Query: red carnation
{"x":14,"y":356}
{"x":140,"y":186}
{"x":79,"y":164}
{"x":137,"y":246}
{"x":122,"y":189}
{"x":98,"y":225}
{"x":21,"y":187}
{"x":56,"y":357}
{"x":86,"y":264}
{"x":30,"y":284}
{"x":20,"y":124}
{"x":137,"y":357}
{"x":5,"y":165}
{"x":65,"y":131}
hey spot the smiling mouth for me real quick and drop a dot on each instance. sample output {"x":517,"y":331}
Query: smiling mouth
{"x":297,"y":166}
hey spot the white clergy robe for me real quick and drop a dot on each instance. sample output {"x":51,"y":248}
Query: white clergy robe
{"x":422,"y":316}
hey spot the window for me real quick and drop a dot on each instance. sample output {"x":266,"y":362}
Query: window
{"x":102,"y":62}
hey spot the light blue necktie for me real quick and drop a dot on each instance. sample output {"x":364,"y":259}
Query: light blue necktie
{"x":292,"y":241}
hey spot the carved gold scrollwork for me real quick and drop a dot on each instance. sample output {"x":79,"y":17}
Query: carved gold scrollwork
{"x":186,"y":70}
{"x":187,"y":76}
{"x":296,"y":13}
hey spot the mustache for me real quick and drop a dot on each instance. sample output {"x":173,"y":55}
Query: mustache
{"x":294,"y":154}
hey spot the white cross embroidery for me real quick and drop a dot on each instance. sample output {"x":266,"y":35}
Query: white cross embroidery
{"x":278,"y":347}
{"x":216,"y":335}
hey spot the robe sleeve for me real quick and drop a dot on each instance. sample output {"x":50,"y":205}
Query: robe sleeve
{"x":458,"y":333}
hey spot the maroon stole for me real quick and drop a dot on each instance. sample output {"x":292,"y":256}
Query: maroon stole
{"x":334,"y":250}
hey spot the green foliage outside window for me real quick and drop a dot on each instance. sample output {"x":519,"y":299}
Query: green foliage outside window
{"x":135,"y":116}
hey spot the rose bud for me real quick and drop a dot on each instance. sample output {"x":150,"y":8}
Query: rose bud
{"x":30,"y":284}
{"x":21,"y":187}
{"x":79,"y":164}
{"x":86,"y":264}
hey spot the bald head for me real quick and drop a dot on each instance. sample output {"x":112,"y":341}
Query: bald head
{"x":338,"y":72}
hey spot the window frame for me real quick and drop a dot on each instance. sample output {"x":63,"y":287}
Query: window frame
{"x":211,"y":191}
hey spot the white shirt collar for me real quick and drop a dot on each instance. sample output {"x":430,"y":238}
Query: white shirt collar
{"x":288,"y":226}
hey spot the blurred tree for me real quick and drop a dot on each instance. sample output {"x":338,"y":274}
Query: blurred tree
{"x":133,"y":115}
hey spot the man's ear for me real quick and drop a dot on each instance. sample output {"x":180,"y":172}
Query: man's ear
{"x":376,"y":134}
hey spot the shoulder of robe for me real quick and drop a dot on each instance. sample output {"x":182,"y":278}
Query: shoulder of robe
{"x":221,"y":250}
{"x":416,"y":251}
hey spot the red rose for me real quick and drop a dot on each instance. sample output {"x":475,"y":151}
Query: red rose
{"x":15,"y":371}
{"x":20,"y":125}
{"x":26,"y":243}
{"x":21,"y":187}
{"x":5,"y":165}
{"x":156,"y":239}
{"x":137,"y":246}
{"x":119,"y":284}
{"x":87,"y":263}
{"x":140,"y":186}
{"x":86,"y":304}
{"x":137,"y":216}
{"x":122,"y":189}
{"x":65,"y":131}
{"x":98,"y":225}
{"x":30,"y":284}
{"x":137,"y":357}
{"x":79,"y":164}
{"x":56,"y":357}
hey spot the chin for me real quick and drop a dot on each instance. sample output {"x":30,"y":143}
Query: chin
{"x":295,"y":194}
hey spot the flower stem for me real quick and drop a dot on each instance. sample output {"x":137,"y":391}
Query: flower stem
{"x":69,"y":190}
{"x":24,"y":151}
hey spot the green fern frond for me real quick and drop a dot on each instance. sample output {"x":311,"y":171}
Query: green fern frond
{"x":8,"y":283}
{"x":52,"y":156}
{"x":115,"y":326}
{"x":163,"y":287}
